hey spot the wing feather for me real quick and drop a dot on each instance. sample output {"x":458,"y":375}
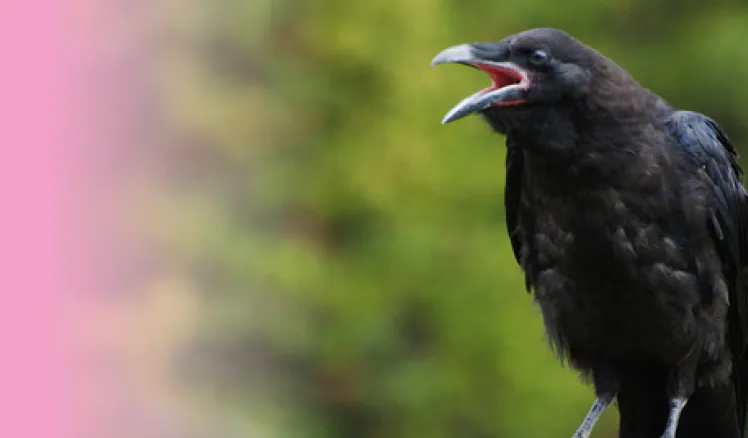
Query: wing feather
{"x":713,"y":152}
{"x":512,"y":197}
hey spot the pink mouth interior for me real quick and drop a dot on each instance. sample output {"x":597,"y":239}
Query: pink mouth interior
{"x":501,"y":77}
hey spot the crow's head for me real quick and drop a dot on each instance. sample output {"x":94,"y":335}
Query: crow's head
{"x":532,"y":70}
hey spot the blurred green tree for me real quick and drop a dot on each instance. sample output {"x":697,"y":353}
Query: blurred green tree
{"x":356,"y":273}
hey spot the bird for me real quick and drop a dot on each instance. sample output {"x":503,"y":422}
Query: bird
{"x":629,"y":220}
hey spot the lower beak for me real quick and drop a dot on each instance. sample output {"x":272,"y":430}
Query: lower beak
{"x":500,"y":94}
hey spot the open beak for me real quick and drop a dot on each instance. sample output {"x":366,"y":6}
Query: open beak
{"x":510,"y":82}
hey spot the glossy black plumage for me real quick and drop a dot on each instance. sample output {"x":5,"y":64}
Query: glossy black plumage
{"x":630,"y":222}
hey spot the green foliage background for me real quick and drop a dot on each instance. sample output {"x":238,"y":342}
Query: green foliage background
{"x":354,"y":273}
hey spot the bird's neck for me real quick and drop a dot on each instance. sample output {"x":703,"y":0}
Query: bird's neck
{"x":593,"y":159}
{"x":617,"y":98}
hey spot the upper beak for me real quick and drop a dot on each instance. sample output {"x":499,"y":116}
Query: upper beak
{"x":500,"y":94}
{"x":456,"y":55}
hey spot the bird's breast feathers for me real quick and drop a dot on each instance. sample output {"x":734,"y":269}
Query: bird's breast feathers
{"x":597,"y":263}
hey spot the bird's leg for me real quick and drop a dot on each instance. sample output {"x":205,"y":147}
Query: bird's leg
{"x":596,"y":411}
{"x":681,"y":385}
{"x":606,"y":388}
{"x":676,"y":407}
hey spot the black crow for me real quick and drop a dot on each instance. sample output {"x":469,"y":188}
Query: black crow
{"x":630,"y":222}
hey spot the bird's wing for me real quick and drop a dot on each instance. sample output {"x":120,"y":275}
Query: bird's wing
{"x":705,"y":143}
{"x":512,"y":194}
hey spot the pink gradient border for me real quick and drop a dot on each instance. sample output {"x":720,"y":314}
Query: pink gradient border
{"x":47,"y":119}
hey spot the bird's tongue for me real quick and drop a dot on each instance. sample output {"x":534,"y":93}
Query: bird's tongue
{"x":500,"y":77}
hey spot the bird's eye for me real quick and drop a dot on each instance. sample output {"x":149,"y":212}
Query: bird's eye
{"x":538,"y":57}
